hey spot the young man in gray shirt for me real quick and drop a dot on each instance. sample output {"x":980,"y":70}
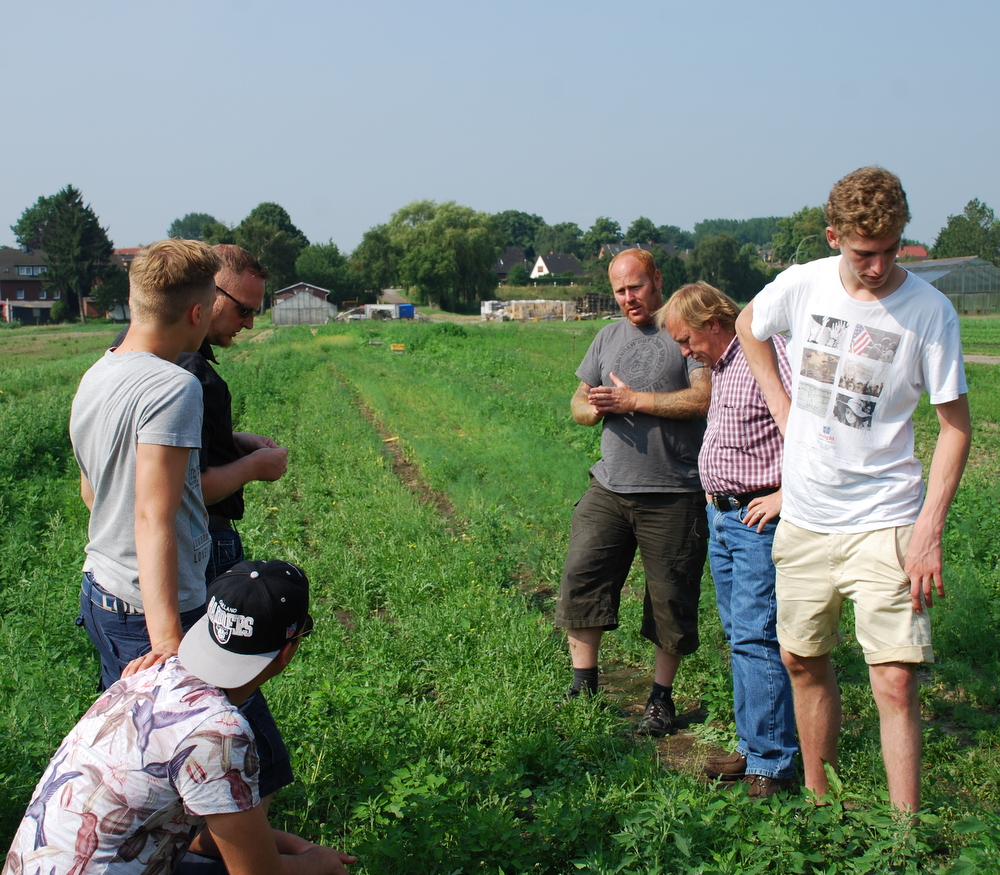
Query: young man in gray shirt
{"x":135,"y":428}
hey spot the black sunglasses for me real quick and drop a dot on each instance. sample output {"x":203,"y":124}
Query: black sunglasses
{"x":244,"y":310}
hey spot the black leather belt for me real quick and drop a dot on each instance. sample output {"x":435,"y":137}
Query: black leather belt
{"x":735,"y":502}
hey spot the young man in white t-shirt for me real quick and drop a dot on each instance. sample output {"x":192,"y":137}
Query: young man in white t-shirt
{"x":855,"y":521}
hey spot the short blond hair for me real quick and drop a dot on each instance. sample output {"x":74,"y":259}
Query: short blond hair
{"x":870,"y":202}
{"x":167,"y":277}
{"x":641,"y":255}
{"x":697,"y":304}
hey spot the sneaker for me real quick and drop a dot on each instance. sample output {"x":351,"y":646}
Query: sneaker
{"x":763,"y":787}
{"x":731,"y":767}
{"x":658,"y":719}
{"x":575,"y":692}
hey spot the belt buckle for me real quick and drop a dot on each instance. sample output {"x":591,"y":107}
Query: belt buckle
{"x":726,"y":502}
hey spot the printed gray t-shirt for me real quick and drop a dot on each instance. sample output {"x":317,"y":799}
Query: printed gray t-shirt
{"x":640,"y":452}
{"x":126,"y":399}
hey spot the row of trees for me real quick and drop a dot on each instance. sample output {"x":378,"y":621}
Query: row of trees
{"x":444,"y":253}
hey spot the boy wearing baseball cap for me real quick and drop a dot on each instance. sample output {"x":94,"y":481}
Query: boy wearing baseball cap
{"x":164,"y":760}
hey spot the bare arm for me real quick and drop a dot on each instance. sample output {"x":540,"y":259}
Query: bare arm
{"x":923,"y":558}
{"x":249,"y":846}
{"x":763,"y":362}
{"x":690,"y":403}
{"x":264,"y":463}
{"x":159,"y":484}
{"x":583,"y":411}
{"x":86,"y":492}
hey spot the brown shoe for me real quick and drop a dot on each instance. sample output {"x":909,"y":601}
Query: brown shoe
{"x":731,"y":767}
{"x":763,"y":787}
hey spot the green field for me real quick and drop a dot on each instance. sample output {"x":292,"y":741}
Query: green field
{"x":428,"y":497}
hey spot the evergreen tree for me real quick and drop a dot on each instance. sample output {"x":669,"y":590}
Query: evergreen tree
{"x":77,"y":249}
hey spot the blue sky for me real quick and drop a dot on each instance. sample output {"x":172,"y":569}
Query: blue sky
{"x":344,"y":112}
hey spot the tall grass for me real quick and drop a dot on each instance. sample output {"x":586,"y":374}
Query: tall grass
{"x":425,"y":715}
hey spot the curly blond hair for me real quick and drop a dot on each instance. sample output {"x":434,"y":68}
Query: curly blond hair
{"x":870,"y":202}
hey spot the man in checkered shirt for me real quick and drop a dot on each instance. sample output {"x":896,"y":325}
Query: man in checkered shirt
{"x":740,"y":468}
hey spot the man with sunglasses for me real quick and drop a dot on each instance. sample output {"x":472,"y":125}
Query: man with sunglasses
{"x":229,"y":459}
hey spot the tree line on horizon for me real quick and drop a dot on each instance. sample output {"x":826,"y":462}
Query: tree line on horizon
{"x":444,"y":253}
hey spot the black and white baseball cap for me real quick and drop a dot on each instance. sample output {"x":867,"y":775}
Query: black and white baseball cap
{"x":253,"y":610}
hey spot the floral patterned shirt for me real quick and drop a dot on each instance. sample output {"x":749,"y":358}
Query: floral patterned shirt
{"x":130,"y":785}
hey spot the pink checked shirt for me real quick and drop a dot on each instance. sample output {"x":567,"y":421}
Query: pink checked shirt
{"x":742,"y":448}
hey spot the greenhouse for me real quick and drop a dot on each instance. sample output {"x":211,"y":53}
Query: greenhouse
{"x":971,"y":283}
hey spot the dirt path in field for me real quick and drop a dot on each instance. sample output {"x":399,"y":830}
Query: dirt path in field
{"x":407,"y":471}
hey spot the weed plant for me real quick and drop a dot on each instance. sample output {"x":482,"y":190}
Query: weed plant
{"x":425,"y":715}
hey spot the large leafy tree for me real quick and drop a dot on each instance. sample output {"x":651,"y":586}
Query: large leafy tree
{"x":736,"y":270}
{"x":448,"y":252}
{"x":801,"y":237}
{"x":77,"y":249}
{"x":189,"y":226}
{"x":323,"y":265}
{"x":642,"y":230}
{"x":275,"y":214}
{"x":975,"y":232}
{"x":564,"y":238}
{"x":267,"y":232}
{"x":376,"y":260}
{"x":519,"y":229}
{"x":28,"y":229}
{"x":604,"y":230}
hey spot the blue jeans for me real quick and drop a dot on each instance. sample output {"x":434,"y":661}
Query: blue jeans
{"x":743,"y":572}
{"x":119,"y":637}
{"x":227,"y":550}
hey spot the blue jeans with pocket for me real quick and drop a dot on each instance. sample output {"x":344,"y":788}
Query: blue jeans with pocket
{"x":227,"y":550}
{"x":118,"y":636}
{"x":740,"y":559}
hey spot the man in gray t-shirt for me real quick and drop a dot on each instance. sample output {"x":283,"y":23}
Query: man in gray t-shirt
{"x":135,"y":428}
{"x":644,"y":492}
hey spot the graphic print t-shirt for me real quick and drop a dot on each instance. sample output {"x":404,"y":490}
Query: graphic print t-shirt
{"x":859,"y":369}
{"x":639,"y":452}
